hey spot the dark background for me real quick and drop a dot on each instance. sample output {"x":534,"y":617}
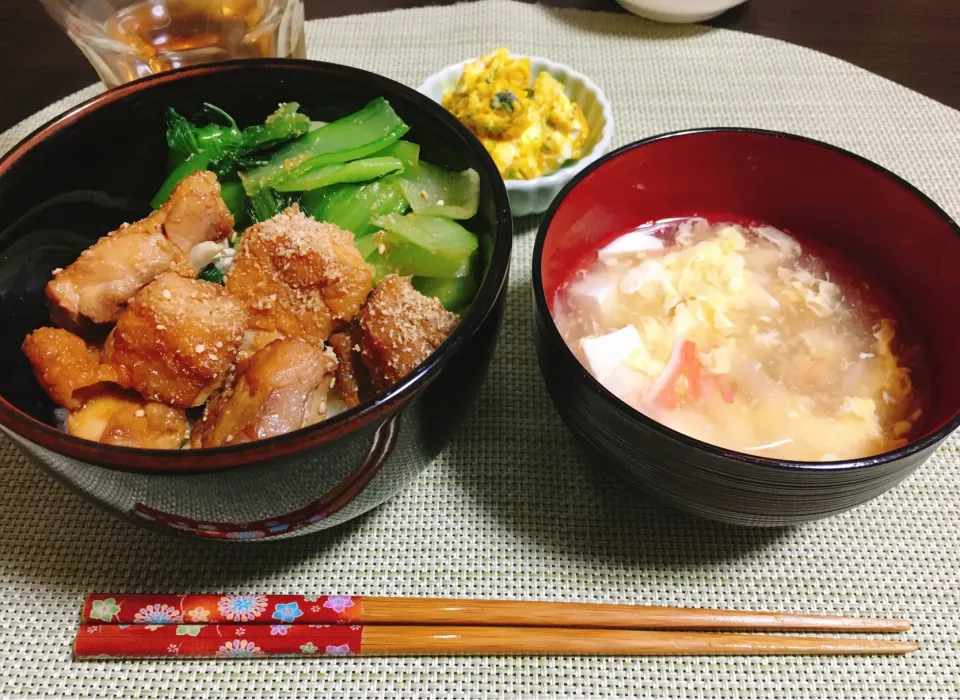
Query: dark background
{"x":913,"y":42}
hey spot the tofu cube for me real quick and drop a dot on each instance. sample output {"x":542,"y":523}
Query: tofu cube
{"x":629,"y":245}
{"x":607,"y":353}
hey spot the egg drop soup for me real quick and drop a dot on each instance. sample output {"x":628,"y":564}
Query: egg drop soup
{"x":746,"y":338}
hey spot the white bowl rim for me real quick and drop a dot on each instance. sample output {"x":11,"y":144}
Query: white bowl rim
{"x":560,"y":177}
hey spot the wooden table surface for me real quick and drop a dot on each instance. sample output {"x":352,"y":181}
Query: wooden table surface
{"x":913,"y":42}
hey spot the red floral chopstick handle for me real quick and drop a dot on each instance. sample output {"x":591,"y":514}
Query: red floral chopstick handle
{"x":215,"y":641}
{"x":229,"y":608}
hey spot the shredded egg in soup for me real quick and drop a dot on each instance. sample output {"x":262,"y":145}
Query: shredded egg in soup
{"x":744,"y":338}
{"x":530,"y":129}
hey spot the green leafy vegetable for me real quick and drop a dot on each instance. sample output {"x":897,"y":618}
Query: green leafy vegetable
{"x":230,"y":162}
{"x":375,"y":121}
{"x":427,"y":246}
{"x":181,"y":134}
{"x":231,"y":191}
{"x":439,"y":192}
{"x":284,"y":124}
{"x":187,"y":138}
{"x":453,"y":292}
{"x":195,"y":147}
{"x":407,"y":153}
{"x":367,"y":246}
{"x":195,"y":162}
{"x":266,"y":204}
{"x":354,"y":171}
{"x":356,"y":136}
{"x":211,"y":109}
{"x":281,"y":126}
{"x":369,"y":249}
{"x":222,"y":147}
{"x":315,"y":201}
{"x":174,"y":158}
{"x":211,"y":273}
{"x":353,"y":207}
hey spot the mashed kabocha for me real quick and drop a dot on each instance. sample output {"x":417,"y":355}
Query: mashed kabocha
{"x":530,"y":128}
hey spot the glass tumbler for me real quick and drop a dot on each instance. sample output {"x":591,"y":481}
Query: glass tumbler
{"x":129,"y":39}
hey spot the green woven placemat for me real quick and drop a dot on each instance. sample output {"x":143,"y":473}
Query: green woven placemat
{"x":513,"y":509}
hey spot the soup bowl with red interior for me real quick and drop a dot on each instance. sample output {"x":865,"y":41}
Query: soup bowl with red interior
{"x":98,"y":165}
{"x":875,"y":219}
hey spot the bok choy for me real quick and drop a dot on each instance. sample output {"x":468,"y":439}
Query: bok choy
{"x":356,"y":172}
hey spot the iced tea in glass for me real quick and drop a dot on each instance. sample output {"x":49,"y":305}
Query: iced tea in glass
{"x":125,"y":40}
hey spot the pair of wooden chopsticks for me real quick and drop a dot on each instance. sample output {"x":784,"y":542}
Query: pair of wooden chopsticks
{"x":245,"y":625}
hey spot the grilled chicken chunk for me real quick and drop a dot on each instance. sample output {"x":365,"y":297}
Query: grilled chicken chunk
{"x":254,"y":341}
{"x":117,"y":417}
{"x":65,"y":365}
{"x":196,"y":213}
{"x":281,"y":388}
{"x":347,"y":376}
{"x":97,"y":286}
{"x":398,"y":328}
{"x":177,"y":339}
{"x":298,"y":277}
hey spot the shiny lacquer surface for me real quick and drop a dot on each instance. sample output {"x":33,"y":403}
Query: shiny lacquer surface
{"x":263,"y":609}
{"x":223,"y":642}
{"x":97,"y":166}
{"x":874,"y":218}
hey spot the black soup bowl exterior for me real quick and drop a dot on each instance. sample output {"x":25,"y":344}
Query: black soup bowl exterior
{"x":877,"y":220}
{"x":98,"y":165}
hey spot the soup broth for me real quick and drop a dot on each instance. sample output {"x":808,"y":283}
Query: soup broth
{"x":745,"y":338}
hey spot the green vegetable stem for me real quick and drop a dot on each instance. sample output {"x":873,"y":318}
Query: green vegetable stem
{"x":326,"y":175}
{"x":353,"y":206}
{"x":454,"y":293}
{"x":281,"y":126}
{"x":211,"y":273}
{"x":356,"y":173}
{"x":222,"y":147}
{"x":439,"y":192}
{"x":356,"y":136}
{"x":426,"y":246}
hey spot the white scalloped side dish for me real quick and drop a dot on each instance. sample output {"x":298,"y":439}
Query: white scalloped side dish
{"x":535,"y":195}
